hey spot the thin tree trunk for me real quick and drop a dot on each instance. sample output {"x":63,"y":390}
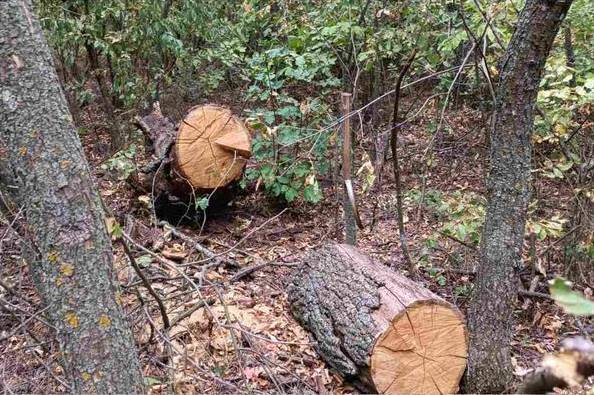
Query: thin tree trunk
{"x":117,"y":134}
{"x":569,"y":53}
{"x":396,"y":166}
{"x":348,"y":203}
{"x":117,"y":138}
{"x":43,"y":170}
{"x":508,"y":182}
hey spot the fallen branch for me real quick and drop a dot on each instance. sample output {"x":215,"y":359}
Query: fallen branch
{"x":534,"y":294}
{"x":23,"y":324}
{"x":246,"y":271}
{"x":469,"y":272}
{"x":457,"y":240}
{"x":244,"y":238}
{"x":196,"y":245}
{"x":146,"y":284}
{"x":191,"y":310}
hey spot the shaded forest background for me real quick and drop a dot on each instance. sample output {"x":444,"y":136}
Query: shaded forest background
{"x":281,"y":66}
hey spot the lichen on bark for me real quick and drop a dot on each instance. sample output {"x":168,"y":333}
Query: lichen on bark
{"x":44,"y":172}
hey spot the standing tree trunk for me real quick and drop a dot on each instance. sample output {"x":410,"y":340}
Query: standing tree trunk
{"x":117,"y":134}
{"x":508,"y":182}
{"x":44,"y":172}
{"x":348,"y":200}
{"x":117,"y":137}
{"x":569,"y":53}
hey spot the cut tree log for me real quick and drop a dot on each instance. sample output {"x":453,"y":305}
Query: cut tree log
{"x":377,"y":328}
{"x":205,"y":154}
{"x":212,"y":147}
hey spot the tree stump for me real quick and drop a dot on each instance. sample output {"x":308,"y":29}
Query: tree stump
{"x":377,"y":328}
{"x":209,"y":149}
{"x":206,"y":153}
{"x":212,"y":147}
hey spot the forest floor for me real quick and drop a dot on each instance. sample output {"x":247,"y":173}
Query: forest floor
{"x":240,"y":335}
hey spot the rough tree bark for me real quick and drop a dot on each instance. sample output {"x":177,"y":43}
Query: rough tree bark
{"x":44,"y":172}
{"x":508,"y":182}
{"x":375,"y":326}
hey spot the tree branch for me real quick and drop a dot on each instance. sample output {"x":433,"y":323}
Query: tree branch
{"x":394,"y":146}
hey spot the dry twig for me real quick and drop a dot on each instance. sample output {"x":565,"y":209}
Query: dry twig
{"x":146,"y":283}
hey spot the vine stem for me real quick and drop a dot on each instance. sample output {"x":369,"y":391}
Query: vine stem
{"x":394,"y":146}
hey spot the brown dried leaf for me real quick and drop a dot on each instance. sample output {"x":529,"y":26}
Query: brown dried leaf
{"x":174,"y":255}
{"x":221,"y":339}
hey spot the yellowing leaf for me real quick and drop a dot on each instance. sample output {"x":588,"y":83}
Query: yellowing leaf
{"x":561,"y":129}
{"x":71,"y":319}
{"x":104,"y":321}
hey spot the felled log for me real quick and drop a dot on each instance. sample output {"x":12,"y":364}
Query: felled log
{"x":208,"y":151}
{"x":375,"y":327}
{"x":212,"y":147}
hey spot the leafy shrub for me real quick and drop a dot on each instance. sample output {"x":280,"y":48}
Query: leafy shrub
{"x":122,"y":164}
{"x":461,"y":214}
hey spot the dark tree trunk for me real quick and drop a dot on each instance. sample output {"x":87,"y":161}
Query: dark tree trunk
{"x":569,"y":53}
{"x":43,"y":172}
{"x":508,"y":183}
{"x":116,"y":133}
{"x":348,"y":201}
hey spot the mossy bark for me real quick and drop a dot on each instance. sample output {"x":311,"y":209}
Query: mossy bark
{"x":508,"y":190}
{"x":43,"y":172}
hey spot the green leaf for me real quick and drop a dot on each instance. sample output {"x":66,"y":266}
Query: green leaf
{"x":149,"y":381}
{"x":461,"y":232}
{"x":144,"y":261}
{"x":291,"y":194}
{"x":300,"y":61}
{"x":572,"y":302}
{"x":452,"y":42}
{"x":283,"y":180}
{"x":117,"y":231}
{"x":441,"y":280}
{"x":312,"y":193}
{"x":295,"y":43}
{"x":202,"y":204}
{"x":431,"y":243}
